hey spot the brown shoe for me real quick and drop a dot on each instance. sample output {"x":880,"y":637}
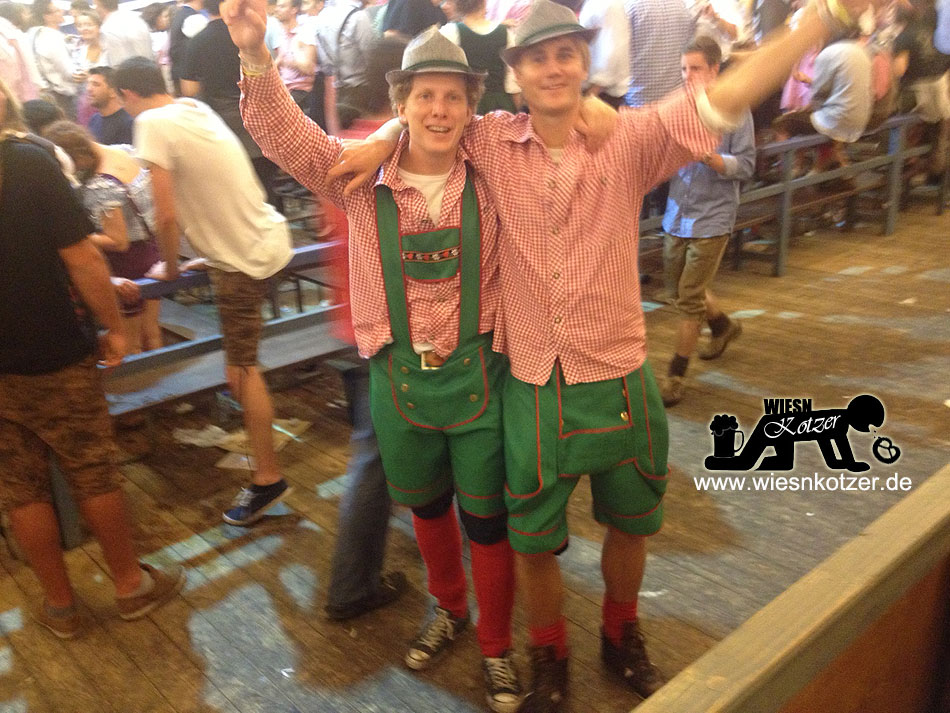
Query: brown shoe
{"x":165,"y":585}
{"x":672,"y":390}
{"x":717,"y":345}
{"x":630,"y":660}
{"x":549,"y":675}
{"x":66,"y":626}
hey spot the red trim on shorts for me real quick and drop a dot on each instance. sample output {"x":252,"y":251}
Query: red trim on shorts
{"x":560,"y":421}
{"x":481,"y":357}
{"x":477,"y":497}
{"x":403,"y":490}
{"x":532,"y":534}
{"x":646,"y":415}
{"x":537,"y":435}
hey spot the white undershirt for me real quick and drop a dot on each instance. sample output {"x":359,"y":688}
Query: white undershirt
{"x":432,"y":189}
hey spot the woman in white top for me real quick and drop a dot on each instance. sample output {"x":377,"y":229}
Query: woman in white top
{"x":482,"y":40}
{"x":87,"y":54}
{"x":51,"y":54}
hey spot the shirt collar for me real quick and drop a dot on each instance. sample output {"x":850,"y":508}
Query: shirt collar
{"x":521,"y":130}
{"x":389,"y":173}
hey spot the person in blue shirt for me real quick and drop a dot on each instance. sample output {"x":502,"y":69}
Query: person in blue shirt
{"x":699,"y":218}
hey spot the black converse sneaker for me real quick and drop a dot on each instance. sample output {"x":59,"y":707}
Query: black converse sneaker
{"x":548,"y":692}
{"x":630,"y":660}
{"x":251,"y":503}
{"x":436,"y":636}
{"x":501,"y":681}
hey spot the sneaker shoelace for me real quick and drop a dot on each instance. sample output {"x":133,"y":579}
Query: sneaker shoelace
{"x":502,"y":674}
{"x":244,"y":498}
{"x":438,"y":630}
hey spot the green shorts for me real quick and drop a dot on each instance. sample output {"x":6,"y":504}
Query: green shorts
{"x":615,"y":431}
{"x":441,"y":428}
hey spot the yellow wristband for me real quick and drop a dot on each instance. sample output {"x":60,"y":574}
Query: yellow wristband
{"x":255,"y":70}
{"x":841,"y":13}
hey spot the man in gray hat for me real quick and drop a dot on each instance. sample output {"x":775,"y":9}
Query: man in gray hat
{"x":581,"y":397}
{"x":424,"y":291}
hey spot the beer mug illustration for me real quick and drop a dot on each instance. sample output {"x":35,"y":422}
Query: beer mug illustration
{"x":724,"y":429}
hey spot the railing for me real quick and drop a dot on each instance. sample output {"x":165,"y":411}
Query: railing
{"x":893,"y":162}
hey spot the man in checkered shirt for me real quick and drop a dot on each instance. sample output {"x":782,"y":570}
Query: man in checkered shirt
{"x":582,"y":398}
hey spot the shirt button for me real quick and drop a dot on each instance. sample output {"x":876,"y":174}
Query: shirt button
{"x":603,"y":180}
{"x":404,"y":369}
{"x":551,"y":184}
{"x":556,"y":275}
{"x":555,"y":230}
{"x":557,"y":320}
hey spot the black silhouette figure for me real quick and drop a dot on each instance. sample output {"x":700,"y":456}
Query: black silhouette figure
{"x":829,"y":427}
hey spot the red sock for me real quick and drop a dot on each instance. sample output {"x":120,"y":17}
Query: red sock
{"x":493,"y":575}
{"x":554,"y":635}
{"x":440,"y":543}
{"x":616,"y":614}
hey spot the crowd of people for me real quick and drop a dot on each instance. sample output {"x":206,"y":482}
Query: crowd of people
{"x":488,"y":219}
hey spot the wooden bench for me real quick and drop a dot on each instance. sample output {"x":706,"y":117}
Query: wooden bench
{"x":867,"y":631}
{"x":785,"y":200}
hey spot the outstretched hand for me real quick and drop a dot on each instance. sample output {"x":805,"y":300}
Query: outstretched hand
{"x":360,"y":160}
{"x":247,"y":22}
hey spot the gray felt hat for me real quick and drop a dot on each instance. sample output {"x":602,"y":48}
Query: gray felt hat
{"x":431,"y":51}
{"x":545,"y":21}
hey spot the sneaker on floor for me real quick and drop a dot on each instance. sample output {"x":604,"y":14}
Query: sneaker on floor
{"x":717,"y":345}
{"x":392,"y":585}
{"x":165,"y":585}
{"x":65,"y":624}
{"x":251,"y":503}
{"x":630,"y":660}
{"x":548,"y":692}
{"x":436,"y":636}
{"x":672,"y":390}
{"x":502,"y":687}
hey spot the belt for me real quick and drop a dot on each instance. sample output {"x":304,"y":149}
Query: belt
{"x":430,"y":360}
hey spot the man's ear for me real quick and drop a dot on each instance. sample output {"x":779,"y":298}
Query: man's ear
{"x":401,"y":114}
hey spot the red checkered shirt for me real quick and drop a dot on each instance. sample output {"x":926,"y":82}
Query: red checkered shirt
{"x":570,"y":235}
{"x":302,"y":149}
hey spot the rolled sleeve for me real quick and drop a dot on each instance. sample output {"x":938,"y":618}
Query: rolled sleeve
{"x":286,"y":136}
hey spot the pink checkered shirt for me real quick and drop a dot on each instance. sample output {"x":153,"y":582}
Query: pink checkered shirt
{"x":570,"y":235}
{"x":302,"y":149}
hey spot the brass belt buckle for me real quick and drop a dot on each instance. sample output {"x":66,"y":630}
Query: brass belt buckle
{"x":423,"y":364}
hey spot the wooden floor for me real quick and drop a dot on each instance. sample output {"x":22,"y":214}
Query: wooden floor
{"x":857,"y":313}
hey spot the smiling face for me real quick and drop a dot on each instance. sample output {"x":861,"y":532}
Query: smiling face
{"x":436,"y":112}
{"x":88,"y":29}
{"x":551,"y":74}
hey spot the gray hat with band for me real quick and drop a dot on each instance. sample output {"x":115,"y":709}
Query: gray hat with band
{"x":545,"y":21}
{"x":431,"y":51}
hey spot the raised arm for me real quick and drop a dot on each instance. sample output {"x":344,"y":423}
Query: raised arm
{"x":764,"y":71}
{"x":275,"y":122}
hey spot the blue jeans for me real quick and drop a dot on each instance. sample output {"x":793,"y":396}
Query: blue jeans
{"x":365,"y":506}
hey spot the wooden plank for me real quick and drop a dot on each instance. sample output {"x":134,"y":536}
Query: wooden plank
{"x":774,"y":654}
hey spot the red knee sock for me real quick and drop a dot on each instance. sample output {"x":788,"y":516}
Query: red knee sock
{"x":493,"y":574}
{"x":554,"y":635}
{"x":616,"y":614}
{"x":440,"y":543}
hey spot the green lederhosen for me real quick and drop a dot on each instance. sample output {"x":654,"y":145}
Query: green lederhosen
{"x":433,"y":424}
{"x":615,"y":431}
